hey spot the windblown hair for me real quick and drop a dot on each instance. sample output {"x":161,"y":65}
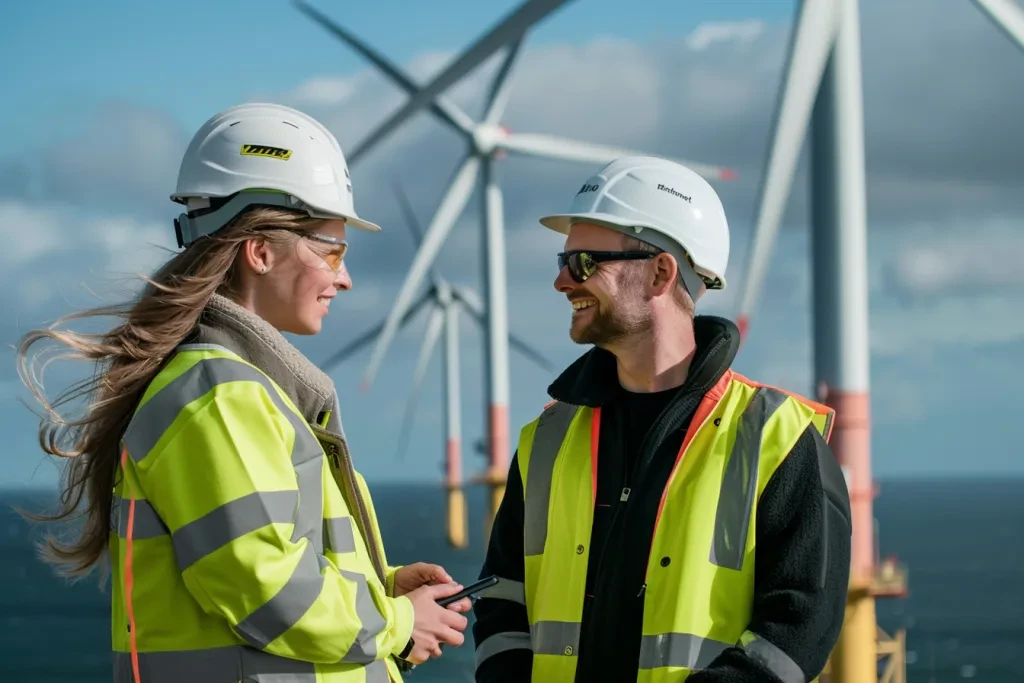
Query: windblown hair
{"x":126,"y":358}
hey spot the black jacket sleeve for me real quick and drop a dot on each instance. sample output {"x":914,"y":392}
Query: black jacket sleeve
{"x":501,"y":629}
{"x":802,"y":571}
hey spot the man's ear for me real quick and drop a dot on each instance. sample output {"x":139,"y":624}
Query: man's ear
{"x":665,"y":274}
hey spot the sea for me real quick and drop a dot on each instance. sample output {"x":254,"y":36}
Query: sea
{"x":962,"y":542}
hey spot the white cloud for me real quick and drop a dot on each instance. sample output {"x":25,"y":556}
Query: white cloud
{"x":962,"y":323}
{"x":324,"y":91}
{"x":27,"y":232}
{"x":709,"y":33}
{"x":988,"y":258}
{"x":54,"y":251}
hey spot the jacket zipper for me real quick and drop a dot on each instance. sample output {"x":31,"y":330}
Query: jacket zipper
{"x":337,"y":451}
{"x":648,"y":455}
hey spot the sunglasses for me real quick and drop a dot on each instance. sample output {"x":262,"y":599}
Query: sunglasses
{"x":582,"y":264}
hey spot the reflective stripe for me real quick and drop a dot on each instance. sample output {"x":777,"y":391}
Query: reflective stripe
{"x":551,"y":429}
{"x":225,"y":665}
{"x":278,"y":614}
{"x":506,"y":589}
{"x":147,"y":523}
{"x":157,"y":415}
{"x":230,"y":521}
{"x":501,"y":642}
{"x":739,"y":482}
{"x":555,"y":637}
{"x":338,"y":535}
{"x":376,"y":672}
{"x":216,"y":665}
{"x":772,"y":658}
{"x":736,"y":498}
{"x":678,"y":649}
{"x":364,"y":647}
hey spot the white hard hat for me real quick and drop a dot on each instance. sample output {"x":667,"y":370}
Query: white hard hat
{"x":662,"y":203}
{"x":262,"y":154}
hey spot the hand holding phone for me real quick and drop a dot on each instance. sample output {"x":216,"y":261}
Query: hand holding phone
{"x":469,"y":590}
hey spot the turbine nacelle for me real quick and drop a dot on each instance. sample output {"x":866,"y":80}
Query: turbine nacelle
{"x":487,"y":138}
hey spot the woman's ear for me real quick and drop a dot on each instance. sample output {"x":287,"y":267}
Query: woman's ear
{"x":258,"y":255}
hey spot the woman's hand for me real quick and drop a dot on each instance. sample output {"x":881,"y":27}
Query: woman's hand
{"x":412,"y":576}
{"x":434,"y":625}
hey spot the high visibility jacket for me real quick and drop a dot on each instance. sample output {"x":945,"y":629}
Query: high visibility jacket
{"x":239,"y":552}
{"x":699,"y":584}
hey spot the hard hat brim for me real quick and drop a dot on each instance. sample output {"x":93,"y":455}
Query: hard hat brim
{"x":562,"y":222}
{"x":350,"y":218}
{"x":352,"y":221}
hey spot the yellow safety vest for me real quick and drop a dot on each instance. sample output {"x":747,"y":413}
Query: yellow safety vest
{"x":700,"y":570}
{"x":236,"y":554}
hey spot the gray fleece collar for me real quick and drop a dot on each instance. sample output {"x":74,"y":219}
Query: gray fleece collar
{"x":229,"y":324}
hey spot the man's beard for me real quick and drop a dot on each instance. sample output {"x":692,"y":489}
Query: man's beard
{"x":625,"y":318}
{"x":607,"y":328}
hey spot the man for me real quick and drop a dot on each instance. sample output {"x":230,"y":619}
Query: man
{"x":664,"y":515}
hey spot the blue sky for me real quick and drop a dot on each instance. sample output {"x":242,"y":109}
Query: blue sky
{"x":107,"y":94}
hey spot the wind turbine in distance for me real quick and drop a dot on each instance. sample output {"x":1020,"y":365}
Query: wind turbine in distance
{"x":487,"y":140}
{"x":821,"y":101}
{"x":444,"y":302}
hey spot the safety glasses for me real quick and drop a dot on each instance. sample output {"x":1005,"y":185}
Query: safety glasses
{"x":582,"y":264}
{"x":331,"y":249}
{"x":334,"y":255}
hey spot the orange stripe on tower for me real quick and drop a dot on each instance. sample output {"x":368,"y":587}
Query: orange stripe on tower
{"x":851,"y":443}
{"x":454,"y":462}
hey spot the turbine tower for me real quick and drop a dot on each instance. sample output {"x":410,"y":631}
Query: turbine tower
{"x":822,"y":88}
{"x":444,"y":303}
{"x":486,"y":141}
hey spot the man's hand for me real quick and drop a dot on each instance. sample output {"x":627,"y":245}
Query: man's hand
{"x":412,"y":576}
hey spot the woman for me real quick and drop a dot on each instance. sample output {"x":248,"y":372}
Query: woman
{"x":238,"y":551}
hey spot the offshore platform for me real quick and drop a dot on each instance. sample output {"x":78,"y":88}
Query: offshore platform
{"x":821,"y":95}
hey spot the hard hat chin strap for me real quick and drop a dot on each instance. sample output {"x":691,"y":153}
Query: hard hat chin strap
{"x":692,"y":281}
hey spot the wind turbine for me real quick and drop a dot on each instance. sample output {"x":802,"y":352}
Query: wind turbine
{"x":486,"y":141}
{"x":444,"y":303}
{"x":822,"y":89}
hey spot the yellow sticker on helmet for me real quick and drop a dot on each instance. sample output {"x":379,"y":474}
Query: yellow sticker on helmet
{"x":266,"y":151}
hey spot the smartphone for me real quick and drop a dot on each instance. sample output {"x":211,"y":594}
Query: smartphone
{"x":469,"y":590}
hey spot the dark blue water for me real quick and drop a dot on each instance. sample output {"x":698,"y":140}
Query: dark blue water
{"x":963,"y":542}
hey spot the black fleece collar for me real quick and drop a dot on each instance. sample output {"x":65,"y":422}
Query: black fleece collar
{"x":592,"y":379}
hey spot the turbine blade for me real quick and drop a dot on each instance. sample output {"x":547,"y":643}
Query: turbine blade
{"x":809,"y":50}
{"x":434,"y":325}
{"x":470,"y":298}
{"x":501,"y":86}
{"x":1008,"y":15}
{"x":408,"y":214}
{"x":508,"y":29}
{"x":447,"y":213}
{"x":530,"y":352}
{"x":586,"y":152}
{"x":443,"y":107}
{"x":475,"y":308}
{"x":362,"y":340}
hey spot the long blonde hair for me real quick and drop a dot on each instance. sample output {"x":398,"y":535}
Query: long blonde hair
{"x":126,"y":358}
